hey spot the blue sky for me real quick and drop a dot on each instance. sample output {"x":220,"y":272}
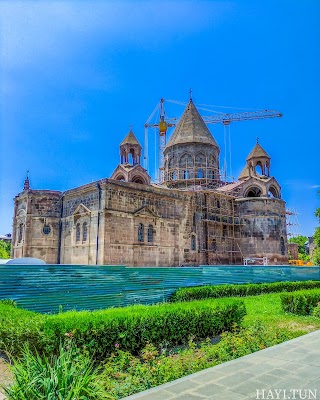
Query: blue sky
{"x":75,"y":74}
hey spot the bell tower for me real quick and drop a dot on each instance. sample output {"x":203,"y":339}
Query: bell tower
{"x":130,"y":149}
{"x":258,"y":158}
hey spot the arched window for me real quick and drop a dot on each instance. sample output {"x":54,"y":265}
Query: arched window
{"x":273,"y":193}
{"x":20,"y":234}
{"x":214,"y":245}
{"x":84,"y":232}
{"x":150,"y":233}
{"x":186,"y":174}
{"x":254,"y":191}
{"x":200,"y":160}
{"x":282,"y":247}
{"x":193,"y":243}
{"x":141,"y":233}
{"x":200,"y":173}
{"x":78,"y":235}
{"x":259,"y":168}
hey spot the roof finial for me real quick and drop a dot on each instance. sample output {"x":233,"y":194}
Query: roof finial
{"x":190,"y":94}
{"x":26,"y":185}
{"x":130,"y":127}
{"x":257,"y":140}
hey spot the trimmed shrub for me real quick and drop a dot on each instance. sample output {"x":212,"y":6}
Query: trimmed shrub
{"x":20,"y":327}
{"x":316,"y":311}
{"x":99,"y":332}
{"x":301,"y":303}
{"x":241,"y":290}
{"x":131,"y":328}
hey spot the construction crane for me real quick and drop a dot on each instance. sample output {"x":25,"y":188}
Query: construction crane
{"x":164,"y":123}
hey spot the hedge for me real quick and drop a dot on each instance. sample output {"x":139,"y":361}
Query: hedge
{"x":301,"y":303}
{"x":130,"y":328}
{"x":239,"y":290}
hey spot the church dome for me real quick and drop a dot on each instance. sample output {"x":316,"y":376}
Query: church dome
{"x":192,"y":154}
{"x":191,"y":129}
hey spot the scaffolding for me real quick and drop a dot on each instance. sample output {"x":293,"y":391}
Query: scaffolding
{"x":219,"y":228}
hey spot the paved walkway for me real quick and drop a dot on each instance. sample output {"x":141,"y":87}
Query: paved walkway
{"x":5,"y":376}
{"x":290,"y":370}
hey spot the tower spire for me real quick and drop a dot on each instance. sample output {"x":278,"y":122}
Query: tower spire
{"x":26,"y":185}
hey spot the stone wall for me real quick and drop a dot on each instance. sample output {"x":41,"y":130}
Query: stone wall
{"x":34,"y":211}
{"x":263,"y":229}
{"x":101,"y":222}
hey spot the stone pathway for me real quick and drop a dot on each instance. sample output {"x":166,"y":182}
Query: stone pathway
{"x":5,"y":376}
{"x":290,"y":370}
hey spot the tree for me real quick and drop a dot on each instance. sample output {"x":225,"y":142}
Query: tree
{"x":301,"y":241}
{"x":5,"y":249}
{"x":316,"y":240}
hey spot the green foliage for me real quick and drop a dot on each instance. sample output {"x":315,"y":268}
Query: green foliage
{"x":98,"y":332}
{"x":250,"y":289}
{"x":316,"y":256}
{"x":20,"y":327}
{"x":133,"y":327}
{"x":316,"y":240}
{"x":301,"y":303}
{"x":316,"y":236}
{"x":5,"y":249}
{"x":316,"y":311}
{"x":125,"y":374}
{"x":67,"y":376}
{"x":301,"y":240}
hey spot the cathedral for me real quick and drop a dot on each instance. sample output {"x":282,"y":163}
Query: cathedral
{"x":192,"y":217}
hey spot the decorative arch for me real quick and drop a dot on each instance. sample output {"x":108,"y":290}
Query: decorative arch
{"x":273,"y":192}
{"x":253,"y":191}
{"x":185,"y":160}
{"x":260,"y":167}
{"x":200,"y":159}
{"x":138,"y":179}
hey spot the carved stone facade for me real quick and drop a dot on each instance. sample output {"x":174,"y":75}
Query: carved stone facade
{"x":191,"y":219}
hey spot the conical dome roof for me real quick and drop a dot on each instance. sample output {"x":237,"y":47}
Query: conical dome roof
{"x":258,"y":152}
{"x":130,"y":139}
{"x":245,"y":173}
{"x":191,"y":129}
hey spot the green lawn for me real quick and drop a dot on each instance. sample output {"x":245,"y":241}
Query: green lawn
{"x":267,"y":309}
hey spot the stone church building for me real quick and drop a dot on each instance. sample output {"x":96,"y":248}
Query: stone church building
{"x":193,"y":217}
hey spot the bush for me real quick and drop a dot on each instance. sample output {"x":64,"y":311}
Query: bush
{"x":125,"y":374}
{"x":67,"y":376}
{"x":133,"y":327}
{"x":98,"y":332}
{"x":316,"y":311}
{"x":250,"y":289}
{"x":20,"y":327}
{"x":301,"y":303}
